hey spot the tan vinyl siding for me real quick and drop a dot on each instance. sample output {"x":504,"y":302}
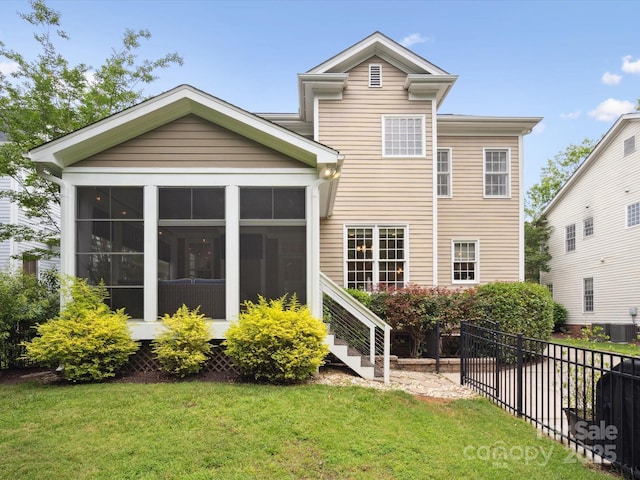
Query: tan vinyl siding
{"x":467,"y":215}
{"x":376,"y":190}
{"x":190,"y":142}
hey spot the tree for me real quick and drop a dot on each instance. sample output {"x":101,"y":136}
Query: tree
{"x":46,"y":98}
{"x":554,"y":175}
{"x":536,"y":249}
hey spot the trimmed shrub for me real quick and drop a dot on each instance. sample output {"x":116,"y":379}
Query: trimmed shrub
{"x":363,"y":297}
{"x":560,"y":314}
{"x":183,"y":347}
{"x":90,"y":341}
{"x":518,"y":307}
{"x":277,"y":341}
{"x":25,"y":301}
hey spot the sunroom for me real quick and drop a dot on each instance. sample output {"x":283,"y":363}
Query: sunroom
{"x":187,"y":199}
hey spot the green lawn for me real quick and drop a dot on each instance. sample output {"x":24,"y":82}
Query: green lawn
{"x":200,"y":430}
{"x":621,"y":348}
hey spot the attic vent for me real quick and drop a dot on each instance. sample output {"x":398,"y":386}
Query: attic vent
{"x":375,"y":75}
{"x":629,"y":145}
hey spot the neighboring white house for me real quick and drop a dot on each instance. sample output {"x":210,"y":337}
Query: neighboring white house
{"x":10,"y":250}
{"x":595,"y":239}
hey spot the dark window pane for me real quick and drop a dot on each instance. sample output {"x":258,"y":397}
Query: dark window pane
{"x":289,"y":203}
{"x":127,"y":269}
{"x":208,"y":203}
{"x":131,"y":299}
{"x":256,"y":203}
{"x":92,"y":202}
{"x":126,"y":202}
{"x":94,"y":267}
{"x":174,"y":203}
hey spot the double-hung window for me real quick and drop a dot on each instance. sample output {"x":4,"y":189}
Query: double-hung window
{"x":570,"y":237}
{"x":375,"y":256}
{"x":588,"y":227}
{"x":496,"y":172}
{"x":465,"y":261}
{"x":633,"y":214}
{"x":444,"y":173}
{"x":403,"y":136}
{"x":588,"y":294}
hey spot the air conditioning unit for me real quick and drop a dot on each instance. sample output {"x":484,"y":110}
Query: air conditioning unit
{"x":606,"y":328}
{"x":622,"y":332}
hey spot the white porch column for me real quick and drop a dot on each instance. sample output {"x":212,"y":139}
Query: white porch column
{"x":232,"y":244}
{"x":67,"y":224}
{"x":314,"y":295}
{"x":150,"y":253}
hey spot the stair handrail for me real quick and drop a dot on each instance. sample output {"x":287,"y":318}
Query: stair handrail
{"x":362,"y":314}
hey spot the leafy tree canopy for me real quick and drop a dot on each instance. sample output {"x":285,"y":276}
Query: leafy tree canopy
{"x":46,"y":97}
{"x":554,"y":175}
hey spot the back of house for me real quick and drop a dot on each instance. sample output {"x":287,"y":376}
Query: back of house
{"x":187,"y":197}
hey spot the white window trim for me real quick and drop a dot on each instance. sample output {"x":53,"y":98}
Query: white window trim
{"x":626,"y":214}
{"x":450,"y":186}
{"x":629,"y":141}
{"x":379,"y":66}
{"x":376,"y":252}
{"x":566,"y":238}
{"x":593,"y":294}
{"x":584,"y":230}
{"x":484,"y":171}
{"x":477,"y":262}
{"x":424,"y":136}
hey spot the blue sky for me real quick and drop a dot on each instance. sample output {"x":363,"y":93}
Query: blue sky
{"x":575,"y":63}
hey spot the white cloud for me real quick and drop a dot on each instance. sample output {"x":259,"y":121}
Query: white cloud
{"x":8,"y":68}
{"x":611,"y":109}
{"x":629,"y":65}
{"x":611,"y":78}
{"x":571,"y":115}
{"x":413,"y":39}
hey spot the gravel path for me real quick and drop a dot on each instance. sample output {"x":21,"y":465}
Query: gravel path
{"x":415,"y":383}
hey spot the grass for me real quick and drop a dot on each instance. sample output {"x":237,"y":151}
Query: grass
{"x":632,"y":349}
{"x":199,"y":430}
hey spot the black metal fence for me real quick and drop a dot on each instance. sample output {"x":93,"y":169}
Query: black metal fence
{"x":12,"y":352}
{"x":586,"y":398}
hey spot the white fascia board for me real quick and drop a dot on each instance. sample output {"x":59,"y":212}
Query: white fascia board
{"x":382,"y":46}
{"x":429,"y":86}
{"x":170,"y":106}
{"x":323,"y":85}
{"x":482,"y":125}
{"x":604,"y":142}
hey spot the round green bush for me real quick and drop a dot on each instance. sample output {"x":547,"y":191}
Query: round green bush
{"x":560,"y":314}
{"x":183,"y":347}
{"x":518,"y":307}
{"x":276,"y":341}
{"x":89,"y":340}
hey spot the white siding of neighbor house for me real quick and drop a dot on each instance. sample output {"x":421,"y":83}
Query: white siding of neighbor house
{"x":10,"y":213}
{"x":612,"y":255}
{"x":5,"y":217}
{"x":377,"y":190}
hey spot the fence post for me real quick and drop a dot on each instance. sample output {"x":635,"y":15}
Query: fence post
{"x":463,"y":351}
{"x":438,"y":346}
{"x":519,"y":375}
{"x":496,"y":339}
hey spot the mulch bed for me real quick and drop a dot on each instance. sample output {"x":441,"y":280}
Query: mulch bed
{"x":49,"y":376}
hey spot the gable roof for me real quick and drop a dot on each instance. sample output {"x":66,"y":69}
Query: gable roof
{"x":601,"y":146}
{"x":330,"y":77}
{"x":166,"y":107}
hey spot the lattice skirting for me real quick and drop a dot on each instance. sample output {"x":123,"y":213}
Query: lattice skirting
{"x":144,"y":360}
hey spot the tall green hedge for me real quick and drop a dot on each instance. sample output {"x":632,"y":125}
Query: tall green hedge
{"x":518,"y":307}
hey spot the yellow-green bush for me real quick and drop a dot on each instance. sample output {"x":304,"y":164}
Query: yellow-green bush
{"x":183,"y":347}
{"x":277,"y":341}
{"x":89,"y":340}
